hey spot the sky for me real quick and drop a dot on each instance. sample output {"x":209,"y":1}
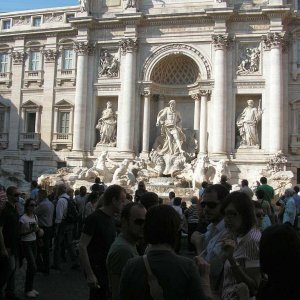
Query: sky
{"x":15,"y":5}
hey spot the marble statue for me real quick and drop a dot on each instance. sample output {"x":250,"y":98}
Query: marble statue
{"x":250,"y":62}
{"x":84,"y":5}
{"x":200,"y":170}
{"x":170,"y":121}
{"x":108,"y":65}
{"x":107,"y":126}
{"x":123,"y":175}
{"x":247,"y":125}
{"x":221,"y":168}
{"x":130,"y":4}
{"x":277,"y":162}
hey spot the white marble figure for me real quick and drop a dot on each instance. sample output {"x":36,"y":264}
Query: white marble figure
{"x":84,"y":5}
{"x":108,"y":65}
{"x":170,"y":121}
{"x":250,"y":63}
{"x":247,"y":124}
{"x":201,"y":167}
{"x":123,"y":175}
{"x":130,"y":4}
{"x":107,"y":126}
{"x":221,"y":168}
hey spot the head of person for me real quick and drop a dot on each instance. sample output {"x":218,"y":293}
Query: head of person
{"x":12,"y":194}
{"x":149,"y":199}
{"x":223,"y":178}
{"x":70,"y":192}
{"x":171,"y":195}
{"x":129,"y":197}
{"x":133,"y":218}
{"x":289,"y":193}
{"x":194,"y":200}
{"x":204,"y":184}
{"x":34,"y":184}
{"x":29,"y":206}
{"x":280,"y":253}
{"x":263,"y":180}
{"x":108,"y":104}
{"x":162,"y":225}
{"x":212,"y":201}
{"x":42,"y":194}
{"x":250,"y":103}
{"x":183,"y":205}
{"x":296,"y":189}
{"x":141,"y":186}
{"x":172,"y":104}
{"x":177,"y":201}
{"x":61,"y":189}
{"x":82,"y":191}
{"x":244,"y":182}
{"x":239,"y":215}
{"x":114,"y":197}
{"x":260,"y":194}
{"x":93,"y":197}
{"x":259,"y":213}
{"x":77,"y":192}
{"x":97,"y":180}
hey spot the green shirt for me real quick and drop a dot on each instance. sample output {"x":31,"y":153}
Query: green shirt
{"x":269,"y":192}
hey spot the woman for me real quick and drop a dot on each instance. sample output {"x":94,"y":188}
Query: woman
{"x":280,"y":261}
{"x":177,"y":276}
{"x":242,"y":250}
{"x":29,"y":229}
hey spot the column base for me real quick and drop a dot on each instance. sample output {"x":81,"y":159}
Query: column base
{"x":144,"y":155}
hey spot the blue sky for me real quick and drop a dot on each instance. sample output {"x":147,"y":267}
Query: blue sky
{"x":14,"y":5}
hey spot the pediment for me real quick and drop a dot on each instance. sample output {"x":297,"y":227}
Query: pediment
{"x":29,"y":103}
{"x":63,"y":103}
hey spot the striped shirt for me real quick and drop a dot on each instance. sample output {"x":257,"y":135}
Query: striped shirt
{"x":192,"y":214}
{"x":247,"y":250}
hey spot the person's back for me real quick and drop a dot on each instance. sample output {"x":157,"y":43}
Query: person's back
{"x":269,"y":191}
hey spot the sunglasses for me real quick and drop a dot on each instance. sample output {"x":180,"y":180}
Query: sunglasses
{"x":139,"y":222}
{"x":211,"y":205}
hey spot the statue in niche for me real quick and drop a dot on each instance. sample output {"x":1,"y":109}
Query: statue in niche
{"x":84,"y":5}
{"x":249,"y":62}
{"x":108,"y":65}
{"x":173,"y":136}
{"x":130,"y":4}
{"x":107,"y":126}
{"x":247,"y":123}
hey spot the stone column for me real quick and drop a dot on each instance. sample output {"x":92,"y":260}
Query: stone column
{"x":196,"y":98}
{"x":146,"y":123}
{"x":82,"y":49}
{"x":126,"y":136}
{"x":220,"y":43}
{"x":203,"y":122}
{"x":273,"y":42}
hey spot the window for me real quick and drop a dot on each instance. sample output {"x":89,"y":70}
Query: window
{"x":34,"y":60}
{"x":69,"y":16}
{"x":2,"y":121}
{"x":61,"y":164}
{"x":36,"y":21}
{"x":6,"y":24}
{"x":64,"y":121}
{"x":28,"y":166}
{"x":68,"y":59}
{"x":3,"y":62}
{"x":30,"y":122}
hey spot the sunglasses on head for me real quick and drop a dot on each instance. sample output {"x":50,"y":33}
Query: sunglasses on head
{"x":139,"y":222}
{"x":210,"y":205}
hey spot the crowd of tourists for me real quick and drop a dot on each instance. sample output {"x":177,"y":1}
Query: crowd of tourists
{"x":129,"y":246}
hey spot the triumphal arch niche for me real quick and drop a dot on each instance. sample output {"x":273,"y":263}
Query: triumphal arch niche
{"x":176,"y":83}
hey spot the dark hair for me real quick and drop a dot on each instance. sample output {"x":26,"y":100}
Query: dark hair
{"x":149,"y":199}
{"x":296,"y":189}
{"x":113,"y":191}
{"x":171,"y":195}
{"x":27,"y":203}
{"x":42,"y":194}
{"x":126,"y":211}
{"x":263,"y":180}
{"x":97,"y":180}
{"x":162,"y":225}
{"x":245,"y":182}
{"x":93,"y":197}
{"x":34,"y":183}
{"x":244,"y":206}
{"x":204,"y":184}
{"x":219,"y":189}
{"x":194,"y":200}
{"x":177,"y":201}
{"x":129,"y":197}
{"x":260,"y":194}
{"x":82,"y":189}
{"x":61,"y":189}
{"x":223,"y":178}
{"x":10,"y":191}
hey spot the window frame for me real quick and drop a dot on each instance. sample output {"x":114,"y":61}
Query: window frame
{"x":70,"y":60}
{"x":30,"y":62}
{"x":60,"y":121}
{"x":33,"y":18}
{"x":5,"y":21}
{"x":2,"y":63}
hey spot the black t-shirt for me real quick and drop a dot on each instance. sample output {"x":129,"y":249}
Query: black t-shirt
{"x":101,"y":227}
{"x":98,"y":187}
{"x":9,"y":221}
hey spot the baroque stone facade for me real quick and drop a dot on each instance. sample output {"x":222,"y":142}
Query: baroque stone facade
{"x":60,"y":67}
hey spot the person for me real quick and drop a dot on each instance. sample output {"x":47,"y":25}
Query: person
{"x":171,"y":197}
{"x":80,"y":201}
{"x":107,"y":125}
{"x":264,"y":203}
{"x":290,"y":211}
{"x":280,"y":261}
{"x":269,"y":191}
{"x":63,"y":230}
{"x":34,"y":190}
{"x":3,"y":197}
{"x":224,"y":182}
{"x":177,"y":206}
{"x":124,"y":247}
{"x":245,"y":188}
{"x":204,"y":185}
{"x":141,"y":190}
{"x":170,"y":120}
{"x":92,"y":202}
{"x":297,"y":203}
{"x":98,"y":234}
{"x":98,"y":186}
{"x":9,"y":240}
{"x":28,"y":230}
{"x":209,"y":244}
{"x":242,"y":249}
{"x":149,"y":199}
{"x":247,"y":124}
{"x":263,"y":220}
{"x":44,"y":212}
{"x":192,"y":216}
{"x":178,"y":276}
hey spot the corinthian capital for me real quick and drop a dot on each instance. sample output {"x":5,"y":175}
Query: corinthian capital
{"x":18,"y":57}
{"x":274,"y":40}
{"x":128,"y":45}
{"x":83,"y":48}
{"x":221,"y":41}
{"x":204,"y":92}
{"x":50,"y":55}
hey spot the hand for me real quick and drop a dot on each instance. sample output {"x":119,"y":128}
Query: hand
{"x":228,"y":247}
{"x":92,"y":281}
{"x":204,"y":266}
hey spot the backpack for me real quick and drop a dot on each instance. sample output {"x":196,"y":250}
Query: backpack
{"x":72,"y":212}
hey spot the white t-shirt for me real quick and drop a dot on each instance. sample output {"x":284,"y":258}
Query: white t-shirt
{"x":26,"y":224}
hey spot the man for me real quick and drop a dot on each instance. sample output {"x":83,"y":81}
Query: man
{"x":98,"y":186}
{"x":224,"y":182}
{"x":98,"y":234}
{"x":170,"y":120}
{"x":124,"y":247}
{"x":80,"y":201}
{"x":245,"y":188}
{"x":64,"y":229}
{"x":290,"y":211}
{"x":209,"y":245}
{"x":269,"y":191}
{"x":34,"y":190}
{"x":9,"y":240}
{"x":171,"y":198}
